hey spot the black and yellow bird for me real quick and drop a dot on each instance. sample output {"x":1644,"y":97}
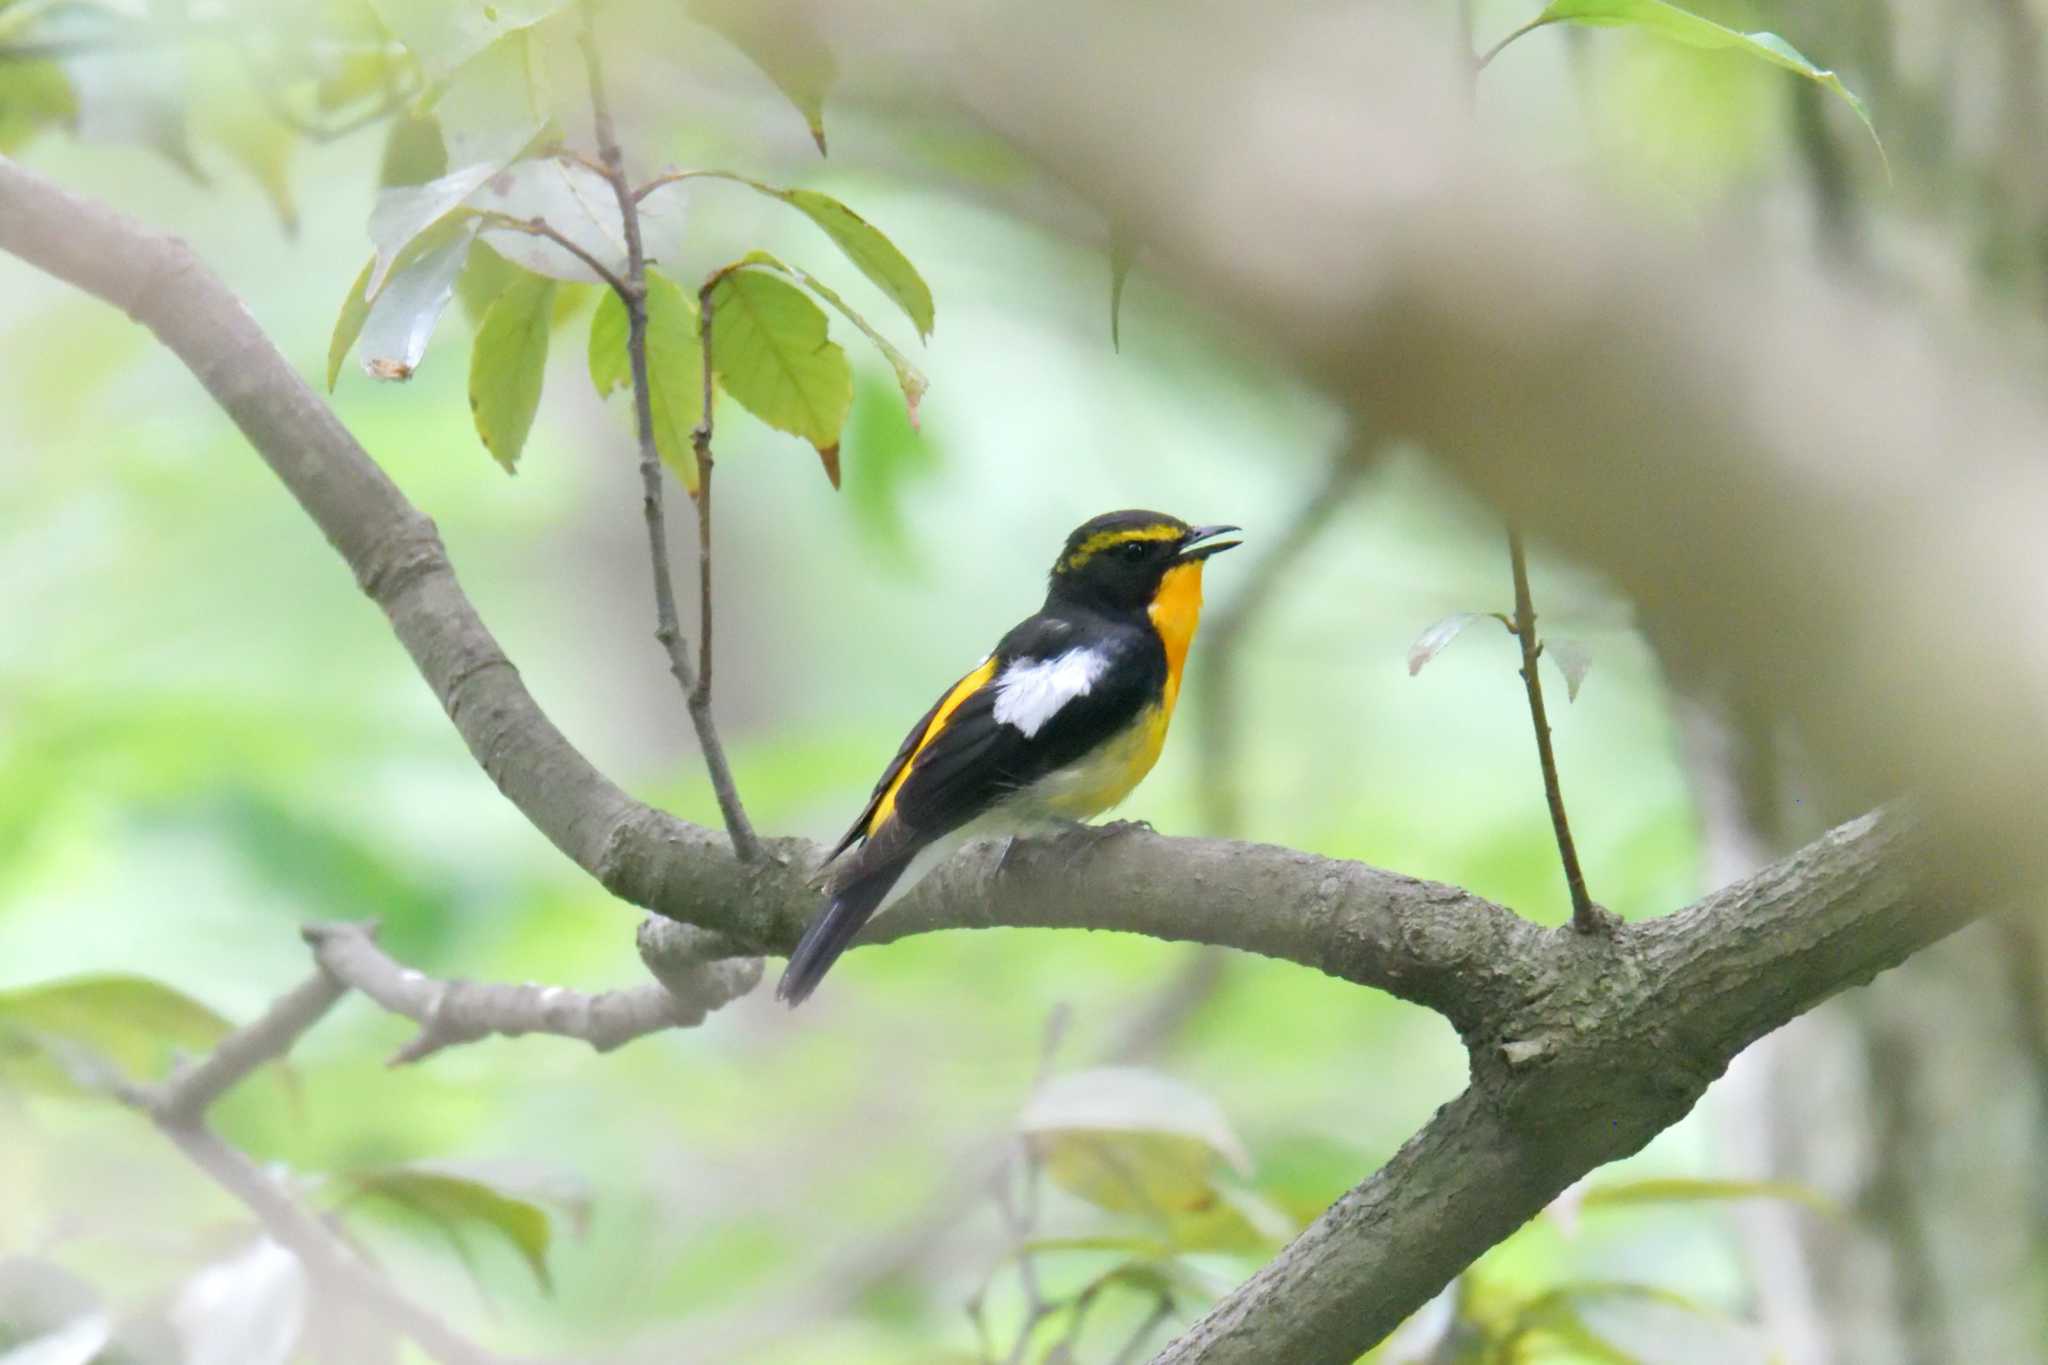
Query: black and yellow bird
{"x":1057,"y":724}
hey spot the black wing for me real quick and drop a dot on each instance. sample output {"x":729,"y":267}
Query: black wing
{"x":859,"y":827}
{"x":975,"y":760}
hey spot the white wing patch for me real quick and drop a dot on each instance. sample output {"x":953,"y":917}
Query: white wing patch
{"x":1029,"y":694}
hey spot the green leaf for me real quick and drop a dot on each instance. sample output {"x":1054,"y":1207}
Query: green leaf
{"x":771,"y":351}
{"x":1683,"y":26}
{"x":457,"y":1204}
{"x":443,"y":34}
{"x":908,"y":377}
{"x":81,"y":1034}
{"x":414,"y":153}
{"x":507,"y":365}
{"x":403,"y":212}
{"x":790,"y":55}
{"x":404,"y":314}
{"x":675,"y":367}
{"x":1673,"y":1190}
{"x":34,"y":96}
{"x":875,"y":255}
{"x":1131,"y":1140}
{"x":864,"y":244}
{"x":348,"y":325}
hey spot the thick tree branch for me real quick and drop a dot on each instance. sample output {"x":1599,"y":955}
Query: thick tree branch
{"x":455,"y":1012}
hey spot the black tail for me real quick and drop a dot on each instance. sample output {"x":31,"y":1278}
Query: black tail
{"x":852,"y":906}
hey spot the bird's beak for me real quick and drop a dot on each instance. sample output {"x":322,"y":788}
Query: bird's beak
{"x":1192,"y":548}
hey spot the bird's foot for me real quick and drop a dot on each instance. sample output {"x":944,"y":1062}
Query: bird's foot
{"x":1116,"y":829}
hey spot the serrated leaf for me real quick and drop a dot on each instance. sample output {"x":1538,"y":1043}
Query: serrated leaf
{"x":908,"y":377}
{"x":1683,"y":26}
{"x":403,"y":212}
{"x":77,"y":1035}
{"x":1131,"y":1140}
{"x":507,"y":365}
{"x":675,"y":367}
{"x":1432,"y":641}
{"x":456,"y":1204}
{"x":871,"y":251}
{"x":772,"y":354}
{"x":348,"y":324}
{"x":792,"y":56}
{"x":1573,"y":660}
{"x":403,"y":316}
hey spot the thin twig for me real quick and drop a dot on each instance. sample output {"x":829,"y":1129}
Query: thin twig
{"x":632,"y":292}
{"x":540,"y":227}
{"x":1586,"y":917}
{"x":450,"y":1013}
{"x":191,"y":1091}
{"x":700,"y":442}
{"x":1134,"y":1349}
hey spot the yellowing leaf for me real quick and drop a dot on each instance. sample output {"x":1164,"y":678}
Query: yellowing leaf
{"x":908,"y":377}
{"x":507,"y":365}
{"x":1132,"y":1141}
{"x":869,"y":249}
{"x":771,"y":351}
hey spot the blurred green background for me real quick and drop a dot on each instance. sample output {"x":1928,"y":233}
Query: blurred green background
{"x":209,"y":737}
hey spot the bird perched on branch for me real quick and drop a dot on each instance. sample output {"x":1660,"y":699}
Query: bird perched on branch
{"x":1057,"y":724}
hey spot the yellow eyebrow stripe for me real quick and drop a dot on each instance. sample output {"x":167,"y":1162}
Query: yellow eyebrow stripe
{"x":1102,"y":540}
{"x":962,"y":690}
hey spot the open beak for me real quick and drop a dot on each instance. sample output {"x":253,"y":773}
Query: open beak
{"x":1192,"y":547}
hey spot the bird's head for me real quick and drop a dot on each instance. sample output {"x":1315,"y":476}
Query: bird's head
{"x":1116,"y":562}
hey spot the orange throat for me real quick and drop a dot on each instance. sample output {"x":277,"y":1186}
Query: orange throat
{"x":1175,"y":611}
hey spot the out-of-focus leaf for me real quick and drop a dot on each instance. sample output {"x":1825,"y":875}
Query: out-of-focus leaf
{"x":1683,"y":26}
{"x":1675,"y":1190}
{"x":414,"y":153}
{"x":675,"y":367}
{"x":78,"y":1342}
{"x":1233,"y":1220}
{"x":348,"y":324}
{"x":908,"y":377}
{"x":443,"y":34}
{"x":573,"y":199}
{"x":791,"y":55}
{"x":495,"y":106}
{"x":37,"y":1297}
{"x":415,"y":294}
{"x":1123,"y":253}
{"x":507,"y":365}
{"x":34,"y":96}
{"x":247,"y":1310}
{"x":457,"y":1205}
{"x":1432,"y":641}
{"x":1573,"y":660}
{"x":485,"y":275}
{"x":770,"y":349}
{"x":403,"y":212}
{"x":888,"y":460}
{"x":1131,"y":1244}
{"x":138,"y":98}
{"x":1131,"y":1140}
{"x":259,"y":142}
{"x":1303,"y":1174}
{"x":1556,"y":1313}
{"x":864,"y":244}
{"x":77,"y":1035}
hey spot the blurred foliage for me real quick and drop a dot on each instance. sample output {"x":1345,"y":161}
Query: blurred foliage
{"x":207,"y":738}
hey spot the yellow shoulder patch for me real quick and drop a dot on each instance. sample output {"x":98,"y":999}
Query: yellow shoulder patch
{"x":962,"y":690}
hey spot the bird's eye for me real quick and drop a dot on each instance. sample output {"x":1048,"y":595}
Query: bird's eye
{"x":1132,"y":550}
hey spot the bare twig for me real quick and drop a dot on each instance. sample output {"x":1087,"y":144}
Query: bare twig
{"x":1587,"y":917}
{"x":632,"y":292}
{"x":454,"y":1012}
{"x":178,"y":1109}
{"x":540,"y":227}
{"x":700,"y":442}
